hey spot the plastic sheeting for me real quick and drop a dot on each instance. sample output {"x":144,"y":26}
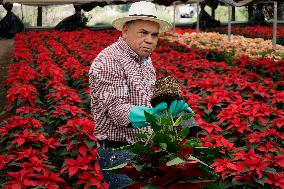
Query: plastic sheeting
{"x":10,"y":24}
{"x":166,"y":2}
{"x":61,"y":2}
{"x":74,"y":22}
{"x":236,"y":4}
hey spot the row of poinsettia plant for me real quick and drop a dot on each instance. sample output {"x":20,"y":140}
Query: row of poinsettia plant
{"x":265,"y":32}
{"x":264,"y":66}
{"x":236,"y":47}
{"x":242,"y":111}
{"x":48,"y":142}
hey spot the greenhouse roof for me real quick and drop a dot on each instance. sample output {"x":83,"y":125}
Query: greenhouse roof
{"x":236,"y":3}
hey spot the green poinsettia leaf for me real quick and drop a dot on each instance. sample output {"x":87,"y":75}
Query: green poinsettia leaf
{"x":19,"y":102}
{"x":63,"y":164}
{"x":152,"y":120}
{"x":150,"y":186}
{"x":38,"y":101}
{"x":139,"y":148}
{"x":177,"y":122}
{"x":261,"y":180}
{"x":166,"y":121}
{"x":270,"y":170}
{"x":184,"y":132}
{"x":207,"y":150}
{"x":175,"y":161}
{"x":2,"y":112}
{"x":173,"y":147}
{"x":196,"y":159}
{"x":208,"y":173}
{"x":115,"y":168}
{"x":89,"y":143}
{"x":183,"y":117}
{"x":37,"y":187}
{"x":163,"y":146}
{"x":161,"y":138}
{"x":187,"y":116}
{"x":141,"y":135}
{"x":192,"y":142}
{"x":75,"y":141}
{"x":139,"y":167}
{"x":3,"y":138}
{"x":208,"y":111}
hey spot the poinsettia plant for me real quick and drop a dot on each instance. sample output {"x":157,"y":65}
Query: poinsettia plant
{"x":168,"y":157}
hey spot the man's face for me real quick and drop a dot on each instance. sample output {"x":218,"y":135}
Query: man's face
{"x":141,"y":36}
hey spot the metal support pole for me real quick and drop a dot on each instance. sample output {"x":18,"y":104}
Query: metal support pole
{"x":275,"y":25}
{"x":39,"y":16}
{"x":174,"y":24}
{"x":213,"y":13}
{"x":197,"y":22}
{"x":229,"y":23}
{"x":250,"y":11}
{"x":22,"y":12}
{"x":233,"y":13}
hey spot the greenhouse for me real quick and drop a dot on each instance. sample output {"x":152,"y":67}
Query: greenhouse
{"x":151,"y":94}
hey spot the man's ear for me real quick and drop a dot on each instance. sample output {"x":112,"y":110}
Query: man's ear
{"x":124,"y":31}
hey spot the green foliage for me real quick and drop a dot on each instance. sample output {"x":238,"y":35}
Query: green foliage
{"x":169,"y":149}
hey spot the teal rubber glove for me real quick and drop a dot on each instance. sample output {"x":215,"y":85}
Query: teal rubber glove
{"x":137,"y":116}
{"x":178,"y":106}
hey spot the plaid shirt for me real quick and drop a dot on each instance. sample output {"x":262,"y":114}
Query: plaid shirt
{"x":118,"y":80}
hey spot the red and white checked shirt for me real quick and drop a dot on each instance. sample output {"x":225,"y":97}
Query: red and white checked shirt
{"x":119,"y":79}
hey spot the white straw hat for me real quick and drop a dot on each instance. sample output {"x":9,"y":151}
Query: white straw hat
{"x":142,"y":10}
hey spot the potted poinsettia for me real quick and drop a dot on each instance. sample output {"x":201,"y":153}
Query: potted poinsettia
{"x":171,"y":156}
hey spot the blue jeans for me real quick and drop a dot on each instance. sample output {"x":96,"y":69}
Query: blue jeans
{"x":109,"y":157}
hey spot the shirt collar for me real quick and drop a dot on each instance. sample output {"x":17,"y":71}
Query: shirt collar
{"x":123,"y":45}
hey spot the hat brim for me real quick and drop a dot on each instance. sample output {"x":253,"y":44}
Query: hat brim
{"x":164,"y":25}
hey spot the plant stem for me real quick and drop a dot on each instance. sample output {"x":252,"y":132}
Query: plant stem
{"x":148,"y":140}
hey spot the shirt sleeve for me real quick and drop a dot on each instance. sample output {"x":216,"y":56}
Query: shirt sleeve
{"x":109,"y":91}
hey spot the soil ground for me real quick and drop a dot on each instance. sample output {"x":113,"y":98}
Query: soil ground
{"x":6,"y":49}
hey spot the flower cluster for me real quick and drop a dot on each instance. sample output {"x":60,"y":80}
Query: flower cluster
{"x":237,"y":47}
{"x":254,"y":32}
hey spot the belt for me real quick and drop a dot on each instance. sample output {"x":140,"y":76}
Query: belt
{"x":112,"y":144}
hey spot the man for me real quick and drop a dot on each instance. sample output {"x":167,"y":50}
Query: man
{"x":122,"y":79}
